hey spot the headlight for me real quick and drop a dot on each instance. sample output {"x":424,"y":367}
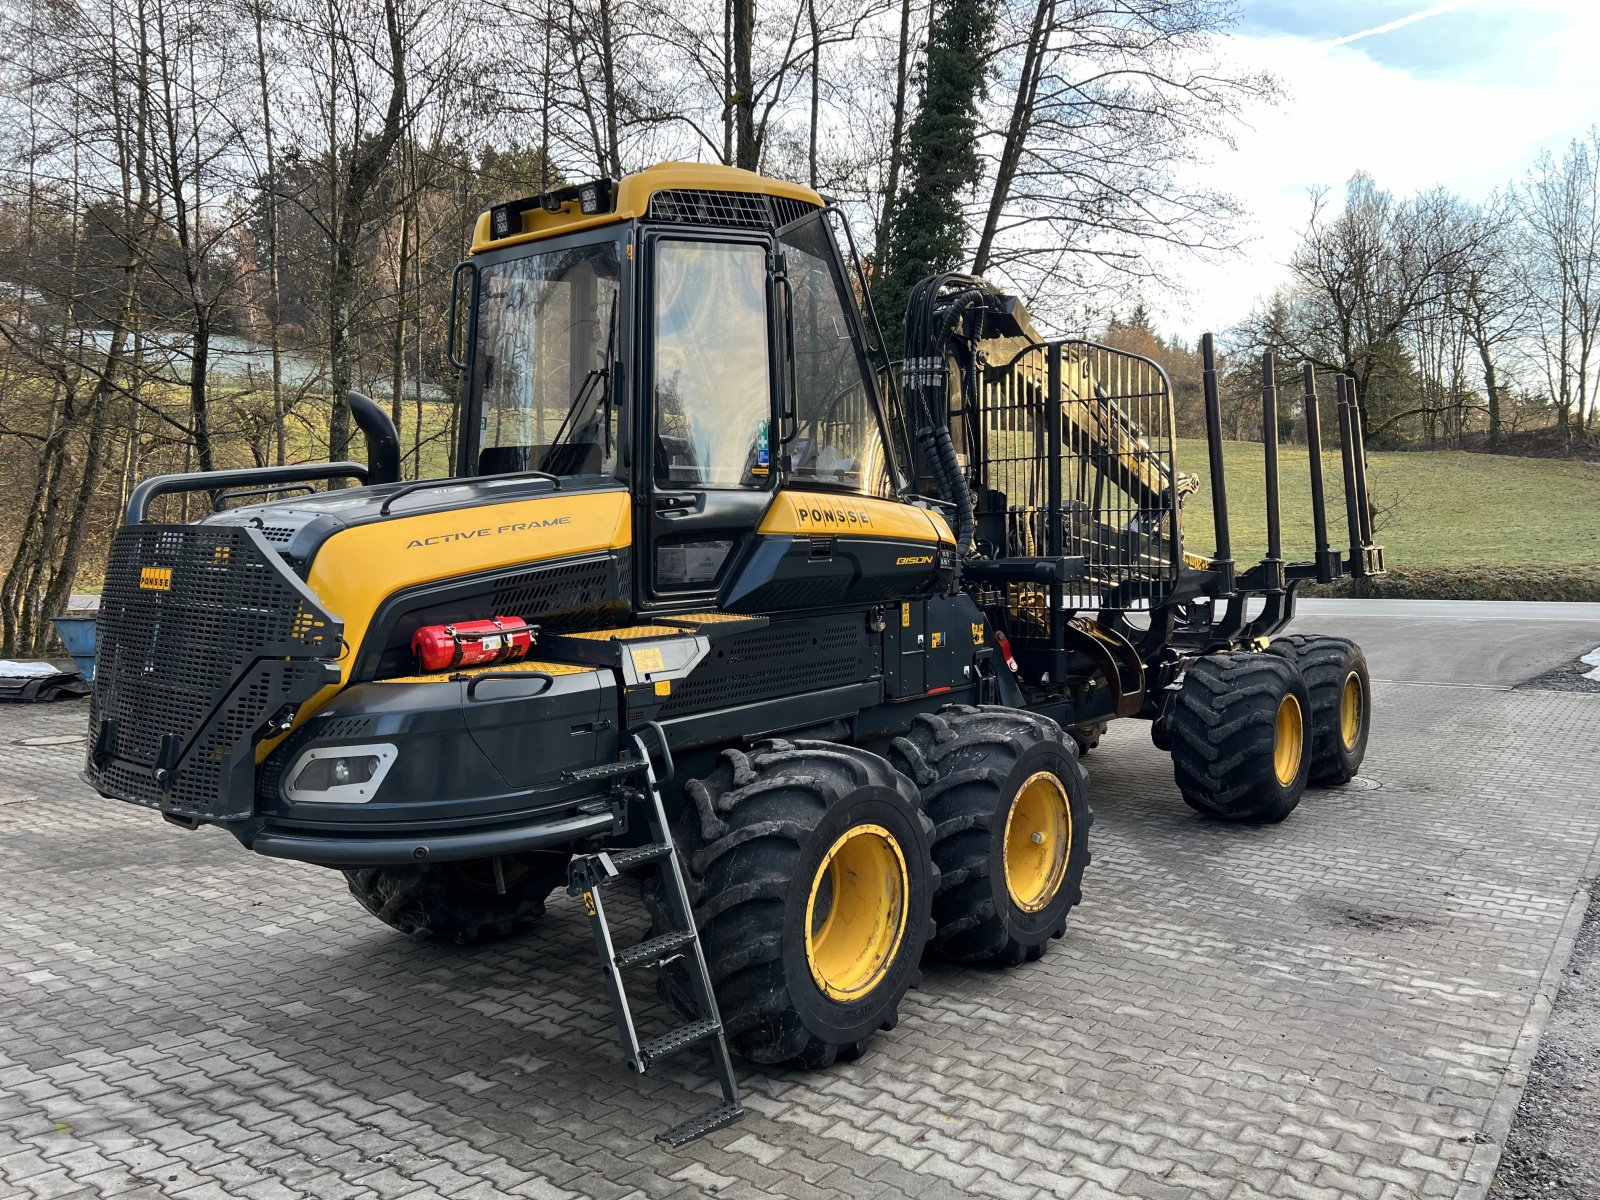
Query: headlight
{"x":339,"y":774}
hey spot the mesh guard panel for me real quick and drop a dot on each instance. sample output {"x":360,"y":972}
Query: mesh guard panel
{"x":203,"y":635}
{"x":1112,"y":429}
{"x":741,"y":210}
{"x":765,"y":664}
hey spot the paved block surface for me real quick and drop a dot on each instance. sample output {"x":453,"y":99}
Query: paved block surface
{"x":1331,"y":1007}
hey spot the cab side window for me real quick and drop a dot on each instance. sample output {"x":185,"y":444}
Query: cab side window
{"x":713,"y":389}
{"x":836,"y":438}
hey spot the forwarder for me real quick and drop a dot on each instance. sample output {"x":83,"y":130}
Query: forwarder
{"x":715,"y":598}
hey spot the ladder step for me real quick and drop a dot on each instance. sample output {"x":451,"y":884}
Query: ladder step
{"x":680,"y":1135}
{"x":626,"y":860}
{"x":655,"y":949}
{"x":669,"y":1044}
{"x":628,"y":766}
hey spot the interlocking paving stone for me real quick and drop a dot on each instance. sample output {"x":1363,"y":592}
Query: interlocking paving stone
{"x":1325,"y":1008}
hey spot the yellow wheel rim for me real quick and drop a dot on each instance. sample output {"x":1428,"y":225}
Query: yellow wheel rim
{"x":856,"y":913}
{"x":1038,"y":841}
{"x":1289,"y":743}
{"x":1352,"y":707}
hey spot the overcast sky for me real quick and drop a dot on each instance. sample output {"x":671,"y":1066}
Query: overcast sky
{"x":1462,"y":94}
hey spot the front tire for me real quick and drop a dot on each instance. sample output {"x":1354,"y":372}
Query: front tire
{"x":1010,"y":808}
{"x":461,"y":901}
{"x":1335,"y":671}
{"x":1240,"y":730}
{"x":812,"y":881}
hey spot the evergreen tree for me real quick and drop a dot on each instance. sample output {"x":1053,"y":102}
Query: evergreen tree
{"x":926,"y":228}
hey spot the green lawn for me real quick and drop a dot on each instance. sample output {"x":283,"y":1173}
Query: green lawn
{"x":1445,"y":508}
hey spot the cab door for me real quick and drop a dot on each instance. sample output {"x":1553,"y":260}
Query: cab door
{"x":837,"y":533}
{"x":709,"y":370}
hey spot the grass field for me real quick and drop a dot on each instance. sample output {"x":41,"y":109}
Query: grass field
{"x":1444,"y":508}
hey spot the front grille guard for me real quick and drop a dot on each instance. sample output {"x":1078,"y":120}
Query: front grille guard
{"x":206,"y":644}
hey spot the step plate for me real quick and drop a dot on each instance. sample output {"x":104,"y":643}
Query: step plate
{"x":669,"y":1044}
{"x":654,"y":950}
{"x":718,"y":1118}
{"x":626,"y":860}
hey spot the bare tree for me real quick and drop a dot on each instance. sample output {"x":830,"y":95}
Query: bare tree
{"x":1360,"y":278}
{"x":1098,"y":104}
{"x":1559,"y":205}
{"x":192,"y":60}
{"x":361,"y":89}
{"x":270,"y":201}
{"x":1489,"y":296}
{"x":895,"y":151}
{"x":89,"y":122}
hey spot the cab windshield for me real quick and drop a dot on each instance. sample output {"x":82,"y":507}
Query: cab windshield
{"x":543,"y":363}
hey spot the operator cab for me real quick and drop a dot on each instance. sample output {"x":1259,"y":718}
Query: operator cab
{"x":691,"y":333}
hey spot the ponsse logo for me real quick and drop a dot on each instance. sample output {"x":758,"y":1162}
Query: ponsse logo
{"x":833,"y":518}
{"x":468,"y":535}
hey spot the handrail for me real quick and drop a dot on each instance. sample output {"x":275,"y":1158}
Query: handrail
{"x":422,"y":485}
{"x":215,"y":481}
{"x":459,"y":363}
{"x":493,"y":676}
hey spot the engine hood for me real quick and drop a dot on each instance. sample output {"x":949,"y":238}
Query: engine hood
{"x":299,"y":527}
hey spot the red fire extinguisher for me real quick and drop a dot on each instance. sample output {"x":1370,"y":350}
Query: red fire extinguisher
{"x":471,"y":643}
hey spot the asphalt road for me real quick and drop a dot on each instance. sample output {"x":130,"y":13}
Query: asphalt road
{"x":1465,"y":642}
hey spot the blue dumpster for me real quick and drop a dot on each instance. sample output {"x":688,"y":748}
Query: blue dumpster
{"x":77,"y":635}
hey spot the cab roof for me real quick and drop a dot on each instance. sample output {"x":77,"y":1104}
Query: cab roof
{"x":632,"y":196}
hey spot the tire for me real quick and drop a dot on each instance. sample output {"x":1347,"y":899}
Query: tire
{"x":1234,"y":713}
{"x":1088,"y":736}
{"x":460,"y":901}
{"x":765,"y":838}
{"x":1335,"y":671}
{"x":975,"y":767}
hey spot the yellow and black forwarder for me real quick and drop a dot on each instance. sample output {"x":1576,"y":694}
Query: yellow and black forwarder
{"x":817,"y":647}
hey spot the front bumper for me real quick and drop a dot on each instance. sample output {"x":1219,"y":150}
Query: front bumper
{"x":593,"y":819}
{"x":210,"y":645}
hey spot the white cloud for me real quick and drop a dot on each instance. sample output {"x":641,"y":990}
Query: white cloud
{"x":1345,"y":111}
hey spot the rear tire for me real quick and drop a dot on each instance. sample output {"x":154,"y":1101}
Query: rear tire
{"x":459,"y":901}
{"x":1335,"y":671}
{"x":981,"y":771}
{"x":1088,"y":736}
{"x":812,"y":882}
{"x":1241,"y":749}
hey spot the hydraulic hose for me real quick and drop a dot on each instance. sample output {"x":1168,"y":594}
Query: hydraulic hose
{"x":933,"y":312}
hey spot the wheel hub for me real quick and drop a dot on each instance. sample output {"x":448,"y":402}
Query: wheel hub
{"x":1289,"y":740}
{"x":1038,"y":841}
{"x":856,"y":912}
{"x":1352,"y":705}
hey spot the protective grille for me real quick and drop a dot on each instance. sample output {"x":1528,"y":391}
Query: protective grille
{"x":742,"y":210}
{"x":203,"y":634}
{"x":556,"y":589}
{"x":764,"y":664}
{"x":1107,"y":418}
